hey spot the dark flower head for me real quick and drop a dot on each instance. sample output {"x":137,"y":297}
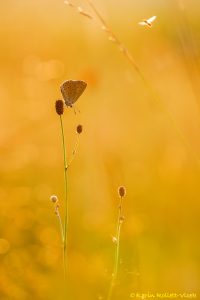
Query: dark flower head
{"x":59,"y":105}
{"x":79,"y":129}
{"x":121,"y":191}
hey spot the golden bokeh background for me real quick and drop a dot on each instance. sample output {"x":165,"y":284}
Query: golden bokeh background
{"x":128,"y":139}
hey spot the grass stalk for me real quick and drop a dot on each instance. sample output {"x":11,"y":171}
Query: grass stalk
{"x":65,"y":231}
{"x":74,"y":151}
{"x":60,"y":222}
{"x":59,"y":106}
{"x":116,"y":241}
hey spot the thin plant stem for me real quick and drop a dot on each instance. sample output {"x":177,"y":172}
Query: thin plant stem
{"x":117,"y":244}
{"x":65,"y":201}
{"x":153,"y":93}
{"x":74,"y":151}
{"x":115,"y":39}
{"x":60,"y":222}
{"x":62,"y":237}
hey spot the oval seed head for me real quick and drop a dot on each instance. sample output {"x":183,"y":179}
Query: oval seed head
{"x":54,"y":198}
{"x":121,"y":191}
{"x":59,"y":105}
{"x":121,"y":219}
{"x":79,"y":129}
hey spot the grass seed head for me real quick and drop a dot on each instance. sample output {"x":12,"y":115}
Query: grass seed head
{"x":54,"y":198}
{"x":59,"y":105}
{"x":79,"y":129}
{"x":121,"y":219}
{"x":121,"y":191}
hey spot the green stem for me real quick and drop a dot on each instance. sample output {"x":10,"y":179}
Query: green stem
{"x":116,"y":263}
{"x":65,"y":201}
{"x":74,"y":151}
{"x":60,"y":223}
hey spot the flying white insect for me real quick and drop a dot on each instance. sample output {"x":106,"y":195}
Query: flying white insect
{"x":147,"y":22}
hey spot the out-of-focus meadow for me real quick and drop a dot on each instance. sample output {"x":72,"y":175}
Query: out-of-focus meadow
{"x":127,"y":138}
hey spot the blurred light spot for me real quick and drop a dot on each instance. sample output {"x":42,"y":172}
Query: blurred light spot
{"x":49,"y":235}
{"x":91,"y":76}
{"x":24,"y":219}
{"x":43,"y":70}
{"x":49,"y":70}
{"x":49,"y":256}
{"x":30,"y":64}
{"x":42,"y":192}
{"x":4,"y":246}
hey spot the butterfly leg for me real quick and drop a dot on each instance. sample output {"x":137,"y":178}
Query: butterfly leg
{"x":76,"y":109}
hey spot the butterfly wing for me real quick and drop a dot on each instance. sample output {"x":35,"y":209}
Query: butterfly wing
{"x":142,"y":23}
{"x":72,"y":90}
{"x":150,"y":20}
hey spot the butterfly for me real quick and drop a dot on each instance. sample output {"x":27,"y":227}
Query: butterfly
{"x":71,"y":90}
{"x":147,"y":22}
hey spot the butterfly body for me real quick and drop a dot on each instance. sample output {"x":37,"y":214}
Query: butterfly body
{"x":148,"y":23}
{"x":71,"y":90}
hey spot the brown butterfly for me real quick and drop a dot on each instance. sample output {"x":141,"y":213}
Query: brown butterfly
{"x":72,"y":90}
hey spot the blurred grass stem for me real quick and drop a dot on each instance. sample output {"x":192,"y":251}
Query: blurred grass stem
{"x":146,"y":82}
{"x":74,"y":151}
{"x":65,"y":201}
{"x":117,"y":244}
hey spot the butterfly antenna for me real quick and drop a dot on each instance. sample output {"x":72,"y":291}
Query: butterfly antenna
{"x":78,"y":110}
{"x":74,"y":108}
